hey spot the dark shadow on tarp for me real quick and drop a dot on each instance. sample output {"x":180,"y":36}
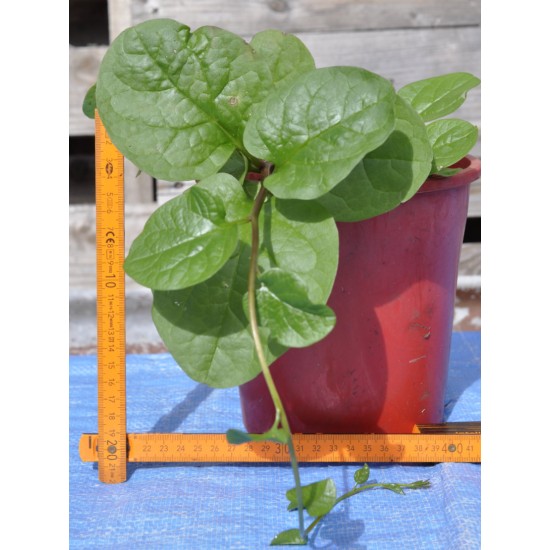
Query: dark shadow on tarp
{"x":337,"y":529}
{"x":171,"y":421}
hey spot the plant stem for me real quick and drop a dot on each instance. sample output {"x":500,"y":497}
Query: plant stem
{"x":279,"y":409}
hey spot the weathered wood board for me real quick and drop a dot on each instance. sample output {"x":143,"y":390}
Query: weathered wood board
{"x":402,"y":56}
{"x":474,"y":206}
{"x":250,"y":16}
{"x":83,"y":68}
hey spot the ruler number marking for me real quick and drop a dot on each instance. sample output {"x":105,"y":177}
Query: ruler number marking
{"x":214,"y":448}
{"x":111,"y":344}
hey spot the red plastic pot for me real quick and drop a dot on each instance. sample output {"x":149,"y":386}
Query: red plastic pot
{"x":384,"y":366}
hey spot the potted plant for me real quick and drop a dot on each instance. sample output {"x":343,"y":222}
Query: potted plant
{"x":291,"y":162}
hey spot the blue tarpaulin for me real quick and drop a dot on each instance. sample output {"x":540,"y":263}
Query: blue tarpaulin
{"x":242,"y":506}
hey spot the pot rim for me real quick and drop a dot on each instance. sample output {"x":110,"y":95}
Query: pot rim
{"x":471,"y":171}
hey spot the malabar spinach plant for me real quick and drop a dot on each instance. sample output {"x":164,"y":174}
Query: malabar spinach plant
{"x":242,"y":263}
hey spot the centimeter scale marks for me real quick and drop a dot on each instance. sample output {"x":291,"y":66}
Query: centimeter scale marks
{"x":111,"y":330}
{"x":457,"y":444}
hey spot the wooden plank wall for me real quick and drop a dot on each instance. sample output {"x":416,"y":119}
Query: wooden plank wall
{"x":250,"y":16}
{"x":403,"y":40}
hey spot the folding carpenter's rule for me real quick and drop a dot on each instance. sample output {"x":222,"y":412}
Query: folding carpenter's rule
{"x":112,"y":447}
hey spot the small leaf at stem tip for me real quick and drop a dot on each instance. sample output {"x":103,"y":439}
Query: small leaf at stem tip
{"x":362,"y":475}
{"x":395,"y":487}
{"x":290,"y":536}
{"x":422,"y":484}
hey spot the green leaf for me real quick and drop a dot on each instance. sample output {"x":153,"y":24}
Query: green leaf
{"x":284,"y":54}
{"x":88,"y":105}
{"x":175,"y":102}
{"x":235,"y":166}
{"x":319,"y":497}
{"x":362,"y":475}
{"x":439,"y":96}
{"x":316,"y":128}
{"x":185,"y":241}
{"x":225,"y":187}
{"x":451,"y":139}
{"x":284,"y":307}
{"x":289,"y":537}
{"x":206,"y":330}
{"x":394,"y":487}
{"x":421,"y":484}
{"x":446,"y":172}
{"x":302,"y":238}
{"x":236,"y":437}
{"x":386,"y":176}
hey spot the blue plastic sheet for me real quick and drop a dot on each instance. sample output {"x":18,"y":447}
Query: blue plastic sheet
{"x":224,"y":506}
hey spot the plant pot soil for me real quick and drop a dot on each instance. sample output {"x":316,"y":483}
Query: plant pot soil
{"x":384,"y":367}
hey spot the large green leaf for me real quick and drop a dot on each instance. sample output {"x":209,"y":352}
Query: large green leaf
{"x":175,"y":102}
{"x":316,"y":128}
{"x":189,"y":238}
{"x":451,"y":140}
{"x":206,"y":330}
{"x":319,"y":497}
{"x":387,"y":176}
{"x":301,"y":237}
{"x":284,"y":307}
{"x":285,"y":55}
{"x":439,"y":96}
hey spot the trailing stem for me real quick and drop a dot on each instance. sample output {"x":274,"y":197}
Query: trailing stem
{"x":396,"y":487}
{"x":279,"y":409}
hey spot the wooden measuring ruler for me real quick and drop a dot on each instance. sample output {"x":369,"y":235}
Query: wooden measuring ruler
{"x":111,"y":327}
{"x":113,"y":448}
{"x":453,"y":442}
